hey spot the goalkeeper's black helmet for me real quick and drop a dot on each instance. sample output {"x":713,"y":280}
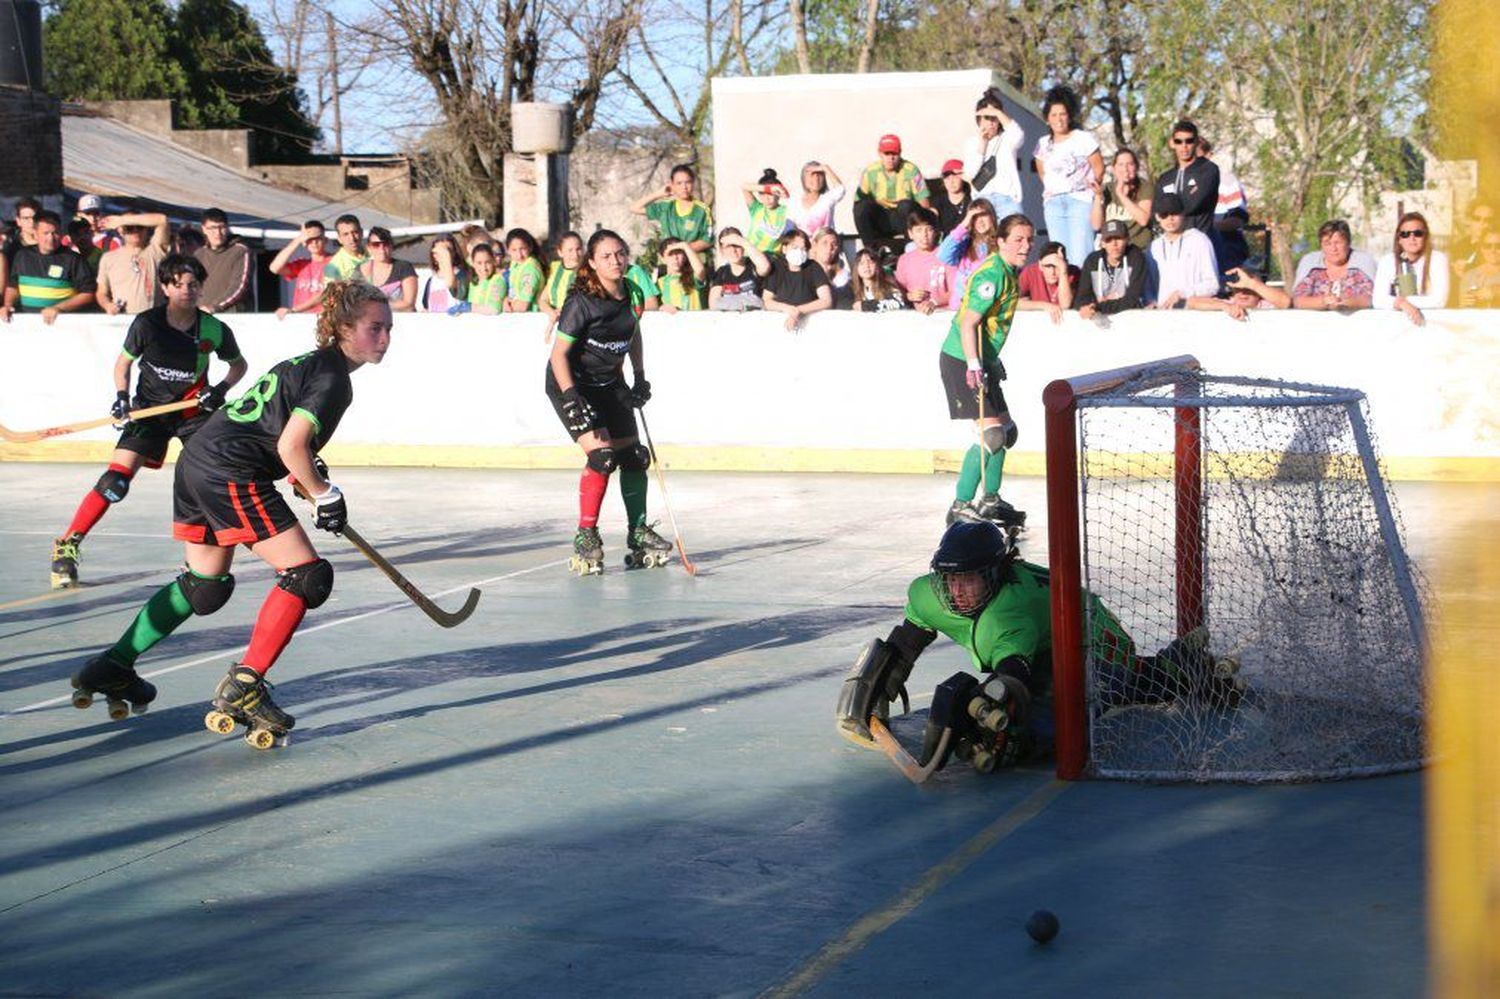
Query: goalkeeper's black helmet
{"x":968,"y":566}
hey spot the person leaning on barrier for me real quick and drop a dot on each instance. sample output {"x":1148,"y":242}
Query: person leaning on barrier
{"x":228,"y":287}
{"x":871,"y":288}
{"x":1480,"y":288}
{"x":737,"y":283}
{"x":797,"y":285}
{"x":47,"y":278}
{"x":1336,"y":280}
{"x":828,"y":253}
{"x":1414,"y":276}
{"x":928,"y":282}
{"x":1048,"y":283}
{"x":306,"y":273}
{"x":1184,"y":257}
{"x":1113,"y":278}
{"x":1246,"y":293}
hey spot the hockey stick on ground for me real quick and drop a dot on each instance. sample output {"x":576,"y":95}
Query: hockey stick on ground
{"x":661,"y":480}
{"x":914,"y":771}
{"x":445,"y":619}
{"x":28,"y":436}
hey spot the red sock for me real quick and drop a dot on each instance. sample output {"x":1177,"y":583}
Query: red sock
{"x":279,"y":617}
{"x":591,"y":487}
{"x":94,"y":505}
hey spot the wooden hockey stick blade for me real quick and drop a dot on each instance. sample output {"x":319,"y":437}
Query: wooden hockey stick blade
{"x":28,"y":436}
{"x":914,"y":771}
{"x":443,"y":618}
{"x":666,"y":502}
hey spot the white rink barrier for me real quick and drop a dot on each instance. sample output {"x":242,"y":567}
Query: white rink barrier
{"x":847,"y":392}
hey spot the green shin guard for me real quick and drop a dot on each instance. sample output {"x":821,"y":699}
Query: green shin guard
{"x":968,"y":474}
{"x":633,"y":491}
{"x":166,"y":609}
{"x":994,"y":464}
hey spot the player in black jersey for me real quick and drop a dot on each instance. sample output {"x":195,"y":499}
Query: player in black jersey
{"x":171,"y":343}
{"x":598,"y":327}
{"x":225,"y":495}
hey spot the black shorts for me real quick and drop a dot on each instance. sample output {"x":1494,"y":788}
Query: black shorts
{"x":963,"y":404}
{"x":210,"y":508}
{"x":149,"y":438}
{"x":615,"y":413}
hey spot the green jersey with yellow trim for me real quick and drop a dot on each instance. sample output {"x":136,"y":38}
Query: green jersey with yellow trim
{"x":993,"y":291}
{"x":488,"y":291}
{"x":559,"y":283}
{"x":640,"y":279}
{"x":890,"y":188}
{"x":767,"y":226}
{"x":526,"y":281}
{"x":43,"y":280}
{"x":688,"y":221}
{"x":241,"y":438}
{"x":681,"y":292}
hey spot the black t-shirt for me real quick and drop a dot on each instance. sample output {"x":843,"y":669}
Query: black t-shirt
{"x":44,"y":280}
{"x":795,"y":287}
{"x":1197,"y":185}
{"x":241,"y":438}
{"x":729,"y":283}
{"x":598,"y":332}
{"x":949,"y":214}
{"x":172,"y":362}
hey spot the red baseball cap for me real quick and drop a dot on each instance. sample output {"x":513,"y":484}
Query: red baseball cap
{"x":953,"y":166}
{"x":890,"y":143}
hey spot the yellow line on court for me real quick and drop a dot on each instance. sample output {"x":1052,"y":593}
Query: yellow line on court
{"x":54,"y":595}
{"x":874,"y":923}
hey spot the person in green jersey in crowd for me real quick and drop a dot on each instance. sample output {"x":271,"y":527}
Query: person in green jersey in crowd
{"x":985,"y":598}
{"x":682,"y":286}
{"x":889,"y":190}
{"x":561,"y":274}
{"x":970,"y":367}
{"x":487,"y":290}
{"x":525,"y":278}
{"x":768,"y":212}
{"x":677,"y":213}
{"x":643,"y":282}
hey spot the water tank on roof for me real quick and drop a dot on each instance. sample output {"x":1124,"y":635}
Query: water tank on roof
{"x":541,"y":128}
{"x":21,"y":43}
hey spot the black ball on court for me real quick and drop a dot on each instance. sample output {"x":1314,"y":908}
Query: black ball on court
{"x":1042,"y":926}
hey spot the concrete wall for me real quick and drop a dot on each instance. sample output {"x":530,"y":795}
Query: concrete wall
{"x":848,"y":392}
{"x":31,"y":124}
{"x":389,"y":189}
{"x":784,"y":121}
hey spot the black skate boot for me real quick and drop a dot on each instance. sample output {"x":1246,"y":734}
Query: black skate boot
{"x":1200,"y":676}
{"x":65,"y":561}
{"x":244,"y":696}
{"x":1001,"y":710}
{"x":962,"y":510}
{"x":588,"y":552}
{"x":992,"y":507}
{"x":647,"y":548}
{"x":104,"y":674}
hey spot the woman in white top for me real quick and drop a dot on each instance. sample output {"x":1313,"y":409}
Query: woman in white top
{"x":990,"y":155}
{"x":1413,"y":276}
{"x":821,"y":191}
{"x":1071,"y":167}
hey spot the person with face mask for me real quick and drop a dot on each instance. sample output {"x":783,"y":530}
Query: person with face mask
{"x":797,"y":285}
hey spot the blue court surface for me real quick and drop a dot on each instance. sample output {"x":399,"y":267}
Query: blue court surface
{"x":628,"y":785}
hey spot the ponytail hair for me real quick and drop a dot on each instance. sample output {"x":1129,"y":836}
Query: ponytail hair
{"x":343,"y":301}
{"x":587,"y":280}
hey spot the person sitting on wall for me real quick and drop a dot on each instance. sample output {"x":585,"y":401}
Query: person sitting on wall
{"x":889,"y":190}
{"x":954,"y":199}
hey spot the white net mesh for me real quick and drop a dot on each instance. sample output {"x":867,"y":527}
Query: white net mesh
{"x":1308,"y":660}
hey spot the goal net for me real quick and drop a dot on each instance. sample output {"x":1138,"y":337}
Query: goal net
{"x":1240,"y":531}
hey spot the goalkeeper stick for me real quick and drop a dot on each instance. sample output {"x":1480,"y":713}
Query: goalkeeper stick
{"x":661,"y":480}
{"x":28,"y":436}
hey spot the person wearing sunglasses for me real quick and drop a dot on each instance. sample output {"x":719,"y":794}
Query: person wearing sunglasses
{"x":127,"y":276}
{"x":306,"y":273}
{"x":1193,"y":179}
{"x":1481,"y":283}
{"x":1414,"y":276}
{"x":397,"y":278}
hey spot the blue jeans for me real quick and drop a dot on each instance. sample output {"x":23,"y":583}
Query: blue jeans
{"x":1068,"y":224}
{"x":1005,"y":205}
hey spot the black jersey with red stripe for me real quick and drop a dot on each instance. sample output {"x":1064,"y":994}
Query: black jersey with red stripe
{"x":241,"y":438}
{"x":173,"y":362}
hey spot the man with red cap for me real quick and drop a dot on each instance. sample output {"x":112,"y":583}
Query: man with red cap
{"x":889,"y":190}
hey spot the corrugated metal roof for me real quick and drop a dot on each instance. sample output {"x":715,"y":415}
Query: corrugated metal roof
{"x":106,"y":157}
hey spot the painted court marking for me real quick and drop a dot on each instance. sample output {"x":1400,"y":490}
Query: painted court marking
{"x":462,"y":587}
{"x":870,"y":925}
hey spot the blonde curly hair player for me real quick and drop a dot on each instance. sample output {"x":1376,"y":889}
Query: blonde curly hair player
{"x":225,"y":495}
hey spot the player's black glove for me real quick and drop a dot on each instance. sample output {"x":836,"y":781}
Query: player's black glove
{"x":212,"y":397}
{"x":578,"y":416}
{"x":332,"y":514}
{"x":121,"y":409}
{"x":639,"y":394}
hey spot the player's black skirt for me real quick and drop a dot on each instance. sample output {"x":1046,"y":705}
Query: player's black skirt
{"x":963,"y":404}
{"x":211,"y":508}
{"x":149,"y":438}
{"x":610,"y":402}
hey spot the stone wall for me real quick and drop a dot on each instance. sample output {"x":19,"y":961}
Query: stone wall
{"x":31,"y":123}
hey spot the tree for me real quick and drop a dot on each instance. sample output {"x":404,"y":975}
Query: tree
{"x":99,"y":50}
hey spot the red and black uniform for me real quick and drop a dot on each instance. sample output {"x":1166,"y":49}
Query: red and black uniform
{"x":225,"y":492}
{"x":171,"y":364}
{"x":599,"y":332}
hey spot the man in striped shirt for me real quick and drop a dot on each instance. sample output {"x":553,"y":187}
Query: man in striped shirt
{"x":46,"y":278}
{"x":889,"y":190}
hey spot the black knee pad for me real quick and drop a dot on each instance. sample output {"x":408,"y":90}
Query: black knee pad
{"x":205,"y":594}
{"x":313,"y":581}
{"x":113,"y":486}
{"x":997,"y":439}
{"x":602,"y":460}
{"x":636,"y":459}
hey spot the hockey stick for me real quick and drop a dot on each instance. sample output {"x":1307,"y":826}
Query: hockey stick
{"x":661,"y":480}
{"x":979,"y":426}
{"x":914,"y":771}
{"x":28,"y":436}
{"x":442,"y":618}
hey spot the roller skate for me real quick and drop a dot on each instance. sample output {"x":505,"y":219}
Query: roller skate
{"x":244,"y":696}
{"x":65,"y":561}
{"x":647,"y":548}
{"x":961,"y":510}
{"x":104,"y":674}
{"x":1000,"y":709}
{"x":992,"y":507}
{"x":588,"y":552}
{"x":1201,"y":676}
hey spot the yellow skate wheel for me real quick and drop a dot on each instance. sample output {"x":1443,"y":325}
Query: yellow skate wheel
{"x":260,"y":738}
{"x":118,"y":710}
{"x":984,"y":761}
{"x":218,"y":721}
{"x":82,"y":698}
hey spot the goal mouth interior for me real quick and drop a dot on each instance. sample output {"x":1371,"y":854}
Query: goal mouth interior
{"x":1252,"y":515}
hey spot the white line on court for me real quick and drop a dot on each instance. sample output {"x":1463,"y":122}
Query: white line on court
{"x":49,"y":702}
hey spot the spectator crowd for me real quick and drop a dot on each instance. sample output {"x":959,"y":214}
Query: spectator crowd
{"x":1116,"y":241}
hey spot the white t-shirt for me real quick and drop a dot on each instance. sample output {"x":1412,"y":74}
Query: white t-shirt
{"x":820,"y":215}
{"x":1065,"y":164}
{"x":1003,"y":148}
{"x":1436,"y":295}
